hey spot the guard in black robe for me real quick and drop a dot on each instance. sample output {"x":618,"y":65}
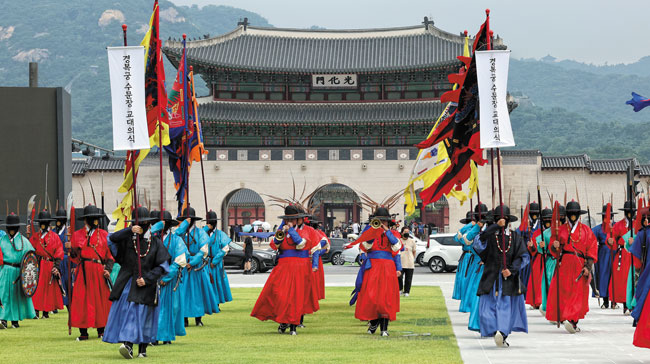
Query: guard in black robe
{"x":134,"y":314}
{"x":501,"y":292}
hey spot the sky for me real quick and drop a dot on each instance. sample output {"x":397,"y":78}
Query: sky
{"x":597,"y":31}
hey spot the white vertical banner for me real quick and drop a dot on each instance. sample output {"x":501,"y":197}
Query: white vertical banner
{"x":492,"y":73}
{"x":126,"y":68}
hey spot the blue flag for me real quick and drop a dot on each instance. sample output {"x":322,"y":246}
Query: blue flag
{"x":638,"y":102}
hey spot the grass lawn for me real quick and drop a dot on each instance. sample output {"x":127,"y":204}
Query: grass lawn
{"x":421,"y":334}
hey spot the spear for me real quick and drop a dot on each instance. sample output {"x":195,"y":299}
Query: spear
{"x":539,"y":198}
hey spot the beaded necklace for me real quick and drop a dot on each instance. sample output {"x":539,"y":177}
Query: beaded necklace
{"x":499,"y":245}
{"x":136,"y":248}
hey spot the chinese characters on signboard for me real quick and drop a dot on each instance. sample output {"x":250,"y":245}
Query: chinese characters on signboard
{"x":334,"y":81}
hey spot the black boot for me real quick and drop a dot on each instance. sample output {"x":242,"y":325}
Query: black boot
{"x":292,"y":330}
{"x":3,"y":324}
{"x":605,"y":303}
{"x":83,"y":334}
{"x":15,"y":324}
{"x":197,"y":321}
{"x":126,"y":350}
{"x":36,"y":317}
{"x":383,"y":324}
{"x":46,"y":314}
{"x":282,"y":328}
{"x":373,"y":326}
{"x":100,"y":332}
{"x":302,"y":318}
{"x":186,"y":322}
{"x":55,"y":312}
{"x":142,"y":350}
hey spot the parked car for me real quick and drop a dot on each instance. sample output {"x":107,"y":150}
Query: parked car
{"x":442,"y":253}
{"x":351,"y":255}
{"x":262,"y":261}
{"x":336,"y":248}
{"x":420,"y":249}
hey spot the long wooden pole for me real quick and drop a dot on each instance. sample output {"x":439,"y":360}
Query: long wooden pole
{"x":134,"y":189}
{"x":198,"y":138}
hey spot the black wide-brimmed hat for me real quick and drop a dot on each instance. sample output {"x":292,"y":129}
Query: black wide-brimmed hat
{"x":504,"y":211}
{"x":561,"y":211}
{"x":211,"y":216}
{"x":547,"y":214}
{"x":13,"y":221}
{"x":292,"y":212}
{"x":91,"y":211}
{"x":382,"y":213}
{"x":482,"y":210}
{"x":61,"y":214}
{"x":573,"y":207}
{"x":155,"y":215}
{"x":167,"y":217}
{"x":143,"y":215}
{"x":628,"y":206}
{"x":468,"y":218}
{"x":604,"y":212}
{"x":44,"y":216}
{"x":189,"y":213}
{"x":533,"y":208}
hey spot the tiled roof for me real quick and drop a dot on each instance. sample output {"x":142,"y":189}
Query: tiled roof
{"x":520,"y":152}
{"x":644,"y":169}
{"x":272,"y":112}
{"x":611,"y":165}
{"x":246,"y":197}
{"x":81,"y":166}
{"x":326,"y":51}
{"x":569,"y":161}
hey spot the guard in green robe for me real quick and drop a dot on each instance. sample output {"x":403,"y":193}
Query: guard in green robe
{"x":15,"y":305}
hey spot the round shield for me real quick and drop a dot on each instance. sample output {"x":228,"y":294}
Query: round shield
{"x":29,"y":273}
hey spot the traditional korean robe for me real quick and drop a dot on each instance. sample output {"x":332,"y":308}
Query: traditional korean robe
{"x":90,"y":304}
{"x":534,"y":286}
{"x":640,"y":250}
{"x":549,"y":270}
{"x":48,"y":296}
{"x":461,"y":270}
{"x":17,"y":306}
{"x":621,"y":262}
{"x":473,"y":272}
{"x":603,"y":269}
{"x":577,"y":243}
{"x":501,"y":306}
{"x":199,"y":296}
{"x":218,"y":242}
{"x":317,"y":262}
{"x":288,"y":291}
{"x":134,"y":313}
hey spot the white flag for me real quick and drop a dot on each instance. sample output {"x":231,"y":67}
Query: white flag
{"x":126,"y":67}
{"x":492,"y":73}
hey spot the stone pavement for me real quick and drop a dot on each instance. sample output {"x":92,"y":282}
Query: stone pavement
{"x":606,"y":335}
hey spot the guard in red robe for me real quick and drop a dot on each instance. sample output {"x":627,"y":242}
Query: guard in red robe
{"x":49,"y":293}
{"x":89,"y":250}
{"x":376,"y":291}
{"x":322,"y":247}
{"x":621,"y":258}
{"x":576,"y":249}
{"x":534,"y":286}
{"x":288,"y":294}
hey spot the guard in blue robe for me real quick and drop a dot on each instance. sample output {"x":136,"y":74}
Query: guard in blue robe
{"x":170,"y":320}
{"x":218,"y":249}
{"x":482,"y":217}
{"x":502,"y":307}
{"x":474,"y":266}
{"x":133,"y":318}
{"x":61,"y":230}
{"x":461,"y":271}
{"x":199,"y":296}
{"x":603,"y":268}
{"x":527,"y":230}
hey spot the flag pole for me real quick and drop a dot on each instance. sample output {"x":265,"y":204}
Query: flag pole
{"x":160,"y":150}
{"x":134,"y":189}
{"x":198,"y":137}
{"x":186,"y":116}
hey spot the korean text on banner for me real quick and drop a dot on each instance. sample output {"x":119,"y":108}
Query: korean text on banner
{"x":126,"y":67}
{"x":492,"y":72}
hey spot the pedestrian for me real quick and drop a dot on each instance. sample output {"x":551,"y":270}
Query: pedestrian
{"x":143,"y":259}
{"x":219,"y":247}
{"x":13,"y":247}
{"x":248,"y":255}
{"x":576,"y":250}
{"x":90,"y":297}
{"x":407,"y":256}
{"x":49,"y":292}
{"x":199,"y":296}
{"x":502,"y":307}
{"x":170,"y":318}
{"x":376,"y":291}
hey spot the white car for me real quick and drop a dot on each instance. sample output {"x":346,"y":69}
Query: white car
{"x":442,"y":253}
{"x":420,"y":249}
{"x":352,"y":255}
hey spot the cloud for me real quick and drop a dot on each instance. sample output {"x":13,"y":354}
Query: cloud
{"x":171,"y":15}
{"x":32,"y":55}
{"x":6,"y":32}
{"x":109,"y":16}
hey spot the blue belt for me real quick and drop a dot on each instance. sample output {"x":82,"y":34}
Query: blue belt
{"x":380,"y":254}
{"x":291,"y":253}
